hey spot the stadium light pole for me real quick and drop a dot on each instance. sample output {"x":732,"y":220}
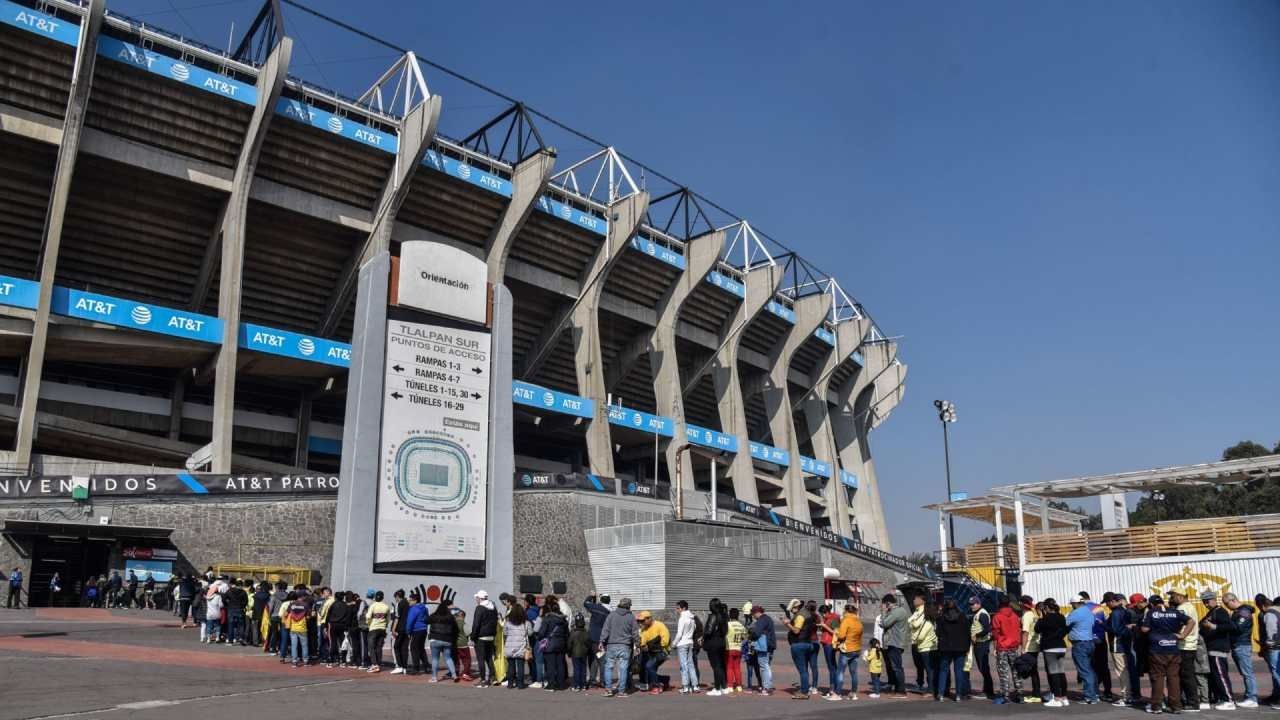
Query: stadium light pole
{"x":947,"y":415}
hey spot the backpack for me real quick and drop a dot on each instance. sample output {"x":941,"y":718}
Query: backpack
{"x":697,"y":630}
{"x":1025,"y":665}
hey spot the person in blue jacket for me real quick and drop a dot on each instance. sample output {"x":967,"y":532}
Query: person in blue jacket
{"x":1120,"y":627}
{"x":763,"y":643}
{"x":415,"y":624}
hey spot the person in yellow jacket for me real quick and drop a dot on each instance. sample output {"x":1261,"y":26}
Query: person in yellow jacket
{"x":848,"y":646}
{"x":924,"y":642}
{"x":875,"y":666}
{"x":378,"y":615}
{"x":655,"y":643}
{"x":295,"y":622}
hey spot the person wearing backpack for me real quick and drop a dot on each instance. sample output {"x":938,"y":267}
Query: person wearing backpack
{"x":802,"y":634}
{"x":213,"y":613}
{"x":295,"y":621}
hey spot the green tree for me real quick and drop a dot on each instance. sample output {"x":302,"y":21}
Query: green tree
{"x":1247,"y":449}
{"x":1186,"y":502}
{"x":928,"y":560}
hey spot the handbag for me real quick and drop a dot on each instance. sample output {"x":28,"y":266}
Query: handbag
{"x":760,"y":644}
{"x":528,"y":654}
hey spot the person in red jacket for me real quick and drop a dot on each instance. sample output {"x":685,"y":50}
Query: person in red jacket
{"x":1006,"y":630}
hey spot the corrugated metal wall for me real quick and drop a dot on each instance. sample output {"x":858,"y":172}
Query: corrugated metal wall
{"x":1244,"y":574}
{"x":629,"y":561}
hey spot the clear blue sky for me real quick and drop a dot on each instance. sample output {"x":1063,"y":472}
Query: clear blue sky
{"x":1071,"y":210}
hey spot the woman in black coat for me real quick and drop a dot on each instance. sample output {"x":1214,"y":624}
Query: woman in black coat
{"x":714,"y":631}
{"x":953,"y":645}
{"x":555,"y":633}
{"x":442,"y":632}
{"x":1052,"y":629}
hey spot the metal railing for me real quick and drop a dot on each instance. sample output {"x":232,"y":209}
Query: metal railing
{"x":1169,"y":539}
{"x":979,"y":555}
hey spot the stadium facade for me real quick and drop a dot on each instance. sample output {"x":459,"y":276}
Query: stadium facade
{"x":181,"y":236}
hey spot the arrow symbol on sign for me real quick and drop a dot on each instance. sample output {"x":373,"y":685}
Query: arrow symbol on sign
{"x":476,"y":370}
{"x":396,"y":395}
{"x":397,"y":368}
{"x":475,"y":395}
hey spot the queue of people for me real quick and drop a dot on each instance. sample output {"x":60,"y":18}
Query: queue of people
{"x":523,"y":642}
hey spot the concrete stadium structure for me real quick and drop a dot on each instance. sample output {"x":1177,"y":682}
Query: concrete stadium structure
{"x":181,"y":232}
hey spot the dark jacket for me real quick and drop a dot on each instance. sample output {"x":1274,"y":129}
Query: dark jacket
{"x":484,"y":622}
{"x":953,"y":632}
{"x":620,"y":628}
{"x":1217,"y":639}
{"x":402,"y":609}
{"x":714,"y":630}
{"x":1118,"y":631}
{"x":580,"y":644}
{"x":763,"y":627}
{"x":187,"y":589}
{"x":555,"y":630}
{"x":1242,"y":626}
{"x":237,"y":600}
{"x":339,"y":614}
{"x":1052,"y":628}
{"x":442,"y":626}
{"x":599,"y":613}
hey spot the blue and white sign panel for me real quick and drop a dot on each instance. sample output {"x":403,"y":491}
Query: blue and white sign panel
{"x":129,"y":314}
{"x":768,"y":453}
{"x":782,"y":311}
{"x":959,"y":496}
{"x":329,"y":122}
{"x":626,"y":417}
{"x":726,"y":283}
{"x":848,"y":479}
{"x":825,"y":336}
{"x":24,"y":18}
{"x":16,"y":292}
{"x":568,"y":213}
{"x":711,"y":438}
{"x":165,"y":66}
{"x":523,"y":393}
{"x":812,"y":466}
{"x":294,"y":345}
{"x":857,"y":357}
{"x":467,"y":173}
{"x":658,"y":252}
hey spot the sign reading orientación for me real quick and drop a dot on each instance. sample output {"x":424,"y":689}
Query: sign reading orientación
{"x":433,"y":493}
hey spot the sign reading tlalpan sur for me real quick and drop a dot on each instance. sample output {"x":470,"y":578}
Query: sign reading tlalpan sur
{"x":177,"y":484}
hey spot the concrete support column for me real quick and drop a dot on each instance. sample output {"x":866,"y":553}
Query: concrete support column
{"x":625,"y":217}
{"x":1021,"y":530}
{"x":302,"y":436}
{"x":999,"y":536}
{"x":701,"y":254}
{"x":849,"y":430}
{"x":1044,"y":516}
{"x":817,"y":416}
{"x":810,"y":312}
{"x":32,"y":369}
{"x":942,"y":541}
{"x":528,"y":179}
{"x":762,"y":284}
{"x":271,"y":79}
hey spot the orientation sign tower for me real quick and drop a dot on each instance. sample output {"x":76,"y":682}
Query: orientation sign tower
{"x":428,"y":428}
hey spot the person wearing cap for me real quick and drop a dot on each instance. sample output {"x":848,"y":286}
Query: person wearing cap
{"x":1164,"y":628}
{"x":802,"y":632}
{"x":484,"y":633}
{"x":1215,"y":628}
{"x":655,"y":646}
{"x":762,"y":644}
{"x":980,"y":632}
{"x":1119,"y":629}
{"x":1188,"y":670}
{"x":1242,"y":646}
{"x":617,"y":637}
{"x":1080,"y":632}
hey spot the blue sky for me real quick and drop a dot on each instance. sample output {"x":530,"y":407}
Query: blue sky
{"x":1070,"y":210}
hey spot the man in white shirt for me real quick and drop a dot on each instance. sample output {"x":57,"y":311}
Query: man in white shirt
{"x":683,"y":642}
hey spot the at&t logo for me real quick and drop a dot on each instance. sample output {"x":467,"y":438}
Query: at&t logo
{"x":464,"y":171}
{"x":180,"y":72}
{"x":306,"y":346}
{"x":335,"y":124}
{"x":548,"y":399}
{"x":141,"y":315}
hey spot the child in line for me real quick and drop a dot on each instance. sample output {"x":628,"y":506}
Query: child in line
{"x":875,"y":665}
{"x":735,"y":638}
{"x":580,"y":651}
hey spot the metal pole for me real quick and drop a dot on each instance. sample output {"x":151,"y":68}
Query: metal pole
{"x":655,"y":464}
{"x":946,"y":452}
{"x":714,"y":506}
{"x":679,"y":486}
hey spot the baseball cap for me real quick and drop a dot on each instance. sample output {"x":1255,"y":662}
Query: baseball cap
{"x":1208,"y":595}
{"x":1136,"y":598}
{"x":975,"y":600}
{"x":644,"y":615}
{"x":1078,"y":600}
{"x":1155,"y":600}
{"x":369,"y":593}
{"x":756,"y":609}
{"x":482,"y":595}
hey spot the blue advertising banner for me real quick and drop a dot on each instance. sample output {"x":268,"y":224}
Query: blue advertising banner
{"x":768,"y":453}
{"x":825,"y":336}
{"x":346,"y":127}
{"x":782,"y":311}
{"x":324,"y":446}
{"x":160,"y":570}
{"x":523,"y":393}
{"x":857,"y":357}
{"x":127,"y":313}
{"x":658,"y":252}
{"x":163,"y":65}
{"x":710,"y":438}
{"x":16,"y":292}
{"x":726,"y":283}
{"x":24,"y":18}
{"x":568,"y":213}
{"x":294,"y":345}
{"x":815,"y":467}
{"x":849,"y":479}
{"x":627,"y":417}
{"x":463,"y":171}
